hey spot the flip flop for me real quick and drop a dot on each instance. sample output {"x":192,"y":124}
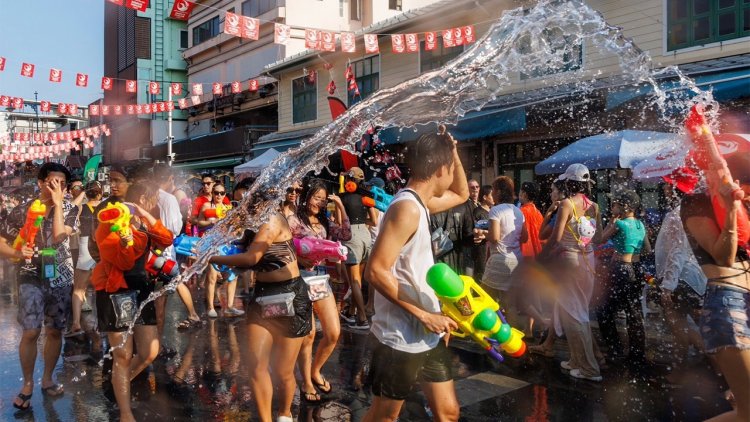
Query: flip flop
{"x":188,"y":324}
{"x":53,"y":390}
{"x":322,"y":386}
{"x":306,"y":397}
{"x":25,"y":400}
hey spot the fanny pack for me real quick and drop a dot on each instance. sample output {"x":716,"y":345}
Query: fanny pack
{"x":125,"y":305}
{"x":276,"y":306}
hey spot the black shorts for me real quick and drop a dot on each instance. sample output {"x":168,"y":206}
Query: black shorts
{"x":298,"y":325}
{"x":393,"y":373}
{"x":105,"y":311}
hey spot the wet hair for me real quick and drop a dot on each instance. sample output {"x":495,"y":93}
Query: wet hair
{"x":428,"y":154}
{"x":573,"y":187}
{"x":484,"y":191}
{"x":505,"y":188}
{"x":51,"y":167}
{"x":138,"y":189}
{"x":309,"y":188}
{"x":531,"y":190}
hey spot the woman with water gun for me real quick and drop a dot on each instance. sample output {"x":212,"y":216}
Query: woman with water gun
{"x":122,"y":284}
{"x":311,"y":221}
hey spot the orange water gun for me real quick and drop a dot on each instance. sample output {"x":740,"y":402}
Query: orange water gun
{"x":34,"y":218}
{"x":118,"y":215}
{"x":708,"y":158}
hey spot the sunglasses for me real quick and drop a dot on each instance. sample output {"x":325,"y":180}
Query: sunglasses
{"x":219,"y":192}
{"x":294,"y":190}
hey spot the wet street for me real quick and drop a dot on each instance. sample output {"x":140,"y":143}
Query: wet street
{"x":206,"y":380}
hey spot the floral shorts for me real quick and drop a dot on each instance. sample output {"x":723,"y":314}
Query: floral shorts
{"x":725,"y":318}
{"x":42,"y":305}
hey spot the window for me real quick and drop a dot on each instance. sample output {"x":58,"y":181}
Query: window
{"x":699,"y":22}
{"x":355,"y":10}
{"x":433,"y":59}
{"x":125,"y":38}
{"x":206,"y":30}
{"x":258,"y":7}
{"x":367,"y":74}
{"x":142,"y":38}
{"x":304,"y":100}
{"x":395,"y":4}
{"x":183,"y":39}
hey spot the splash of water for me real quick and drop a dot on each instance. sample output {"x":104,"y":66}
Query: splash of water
{"x":522,"y":41}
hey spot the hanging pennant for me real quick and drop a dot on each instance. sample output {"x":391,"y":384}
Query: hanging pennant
{"x":232,"y":24}
{"x":105,"y":110}
{"x":146,"y":108}
{"x":45,"y":106}
{"x":468,"y":33}
{"x":250,"y":28}
{"x":2,"y":64}
{"x":72,"y":109}
{"x":195,"y":99}
{"x":398,"y":45}
{"x":82,"y":80}
{"x":430,"y":41}
{"x":331,"y":88}
{"x":130,"y":108}
{"x":312,"y":39}
{"x":253,"y":85}
{"x":183,"y":102}
{"x":327,"y":41}
{"x":162,"y":107}
{"x":55,"y":75}
{"x":138,"y":108}
{"x":458,"y":36}
{"x":93,"y":110}
{"x":139,"y":5}
{"x":62,"y":108}
{"x":371,"y":43}
{"x":236,"y":87}
{"x":117,"y":109}
{"x":106,"y":83}
{"x":181,"y":10}
{"x":176,"y":88}
{"x":27,"y":69}
{"x":348,"y":43}
{"x":131,"y":86}
{"x":170,"y":106}
{"x":448,"y":40}
{"x":217,"y":88}
{"x":412,"y":43}
{"x":281,"y":33}
{"x":153,"y":88}
{"x":4,"y":101}
{"x":197,"y":89}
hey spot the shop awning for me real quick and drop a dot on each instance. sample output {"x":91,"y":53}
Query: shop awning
{"x":727,"y":85}
{"x":474,"y":125}
{"x":209,"y":164}
{"x":281,"y":141}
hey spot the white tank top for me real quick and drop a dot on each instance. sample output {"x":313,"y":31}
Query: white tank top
{"x":392,"y":325}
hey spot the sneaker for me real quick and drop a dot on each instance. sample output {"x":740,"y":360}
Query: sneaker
{"x":212,"y":313}
{"x":364,"y":325}
{"x":566,"y":365}
{"x":576,"y":373}
{"x":346,"y":318}
{"x":233,"y":312}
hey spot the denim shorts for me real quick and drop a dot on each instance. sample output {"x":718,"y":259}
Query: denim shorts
{"x":725,"y":318}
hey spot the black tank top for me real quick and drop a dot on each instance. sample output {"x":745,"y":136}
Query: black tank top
{"x":356,"y":212}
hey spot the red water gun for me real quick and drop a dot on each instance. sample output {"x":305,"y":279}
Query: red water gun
{"x":708,"y":158}
{"x":34,"y":218}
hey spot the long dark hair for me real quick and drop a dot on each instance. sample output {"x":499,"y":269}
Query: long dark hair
{"x":573,"y":187}
{"x":309,"y":188}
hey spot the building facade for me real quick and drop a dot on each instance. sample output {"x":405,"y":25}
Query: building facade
{"x":142,"y":46}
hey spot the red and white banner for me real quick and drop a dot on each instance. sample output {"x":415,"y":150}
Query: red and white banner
{"x":131,"y":86}
{"x":236,"y":87}
{"x":4,"y":101}
{"x":139,"y":109}
{"x":328,"y":41}
{"x":430,"y":41}
{"x":45,"y":106}
{"x":195,"y":99}
{"x":371,"y":43}
{"x":62,"y":108}
{"x":94,"y":110}
{"x":216,"y":88}
{"x":176,"y":88}
{"x":105,"y":110}
{"x":412,"y":43}
{"x":27,"y":69}
{"x":253,"y":85}
{"x":2,"y":64}
{"x":348,"y":43}
{"x":82,"y":80}
{"x":107,"y":83}
{"x":117,"y":109}
{"x":281,"y":33}
{"x":183,"y":102}
{"x":130,"y":109}
{"x":181,"y":10}
{"x":250,"y":28}
{"x":312,"y":39}
{"x":232,"y":23}
{"x":197,"y":89}
{"x":448,"y":40}
{"x":139,"y":5}
{"x":72,"y":109}
{"x":398,"y":45}
{"x":153,"y":88}
{"x":469,"y":34}
{"x":55,"y":75}
{"x":17,"y":103}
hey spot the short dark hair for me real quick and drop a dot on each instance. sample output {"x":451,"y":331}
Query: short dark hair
{"x":52,"y":167}
{"x":245,"y":183}
{"x":209,"y":175}
{"x":484,"y":191}
{"x":162,"y":171}
{"x":531,"y":190}
{"x":428,"y":154}
{"x":142,"y":187}
{"x":506,"y":189}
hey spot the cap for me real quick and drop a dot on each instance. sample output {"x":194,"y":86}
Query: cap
{"x":576,"y":172}
{"x":628,"y":198}
{"x":356,"y":173}
{"x":376,"y":181}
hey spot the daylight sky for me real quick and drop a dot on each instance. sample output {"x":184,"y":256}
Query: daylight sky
{"x":66,"y":35}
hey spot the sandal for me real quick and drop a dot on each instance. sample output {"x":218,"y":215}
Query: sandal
{"x":53,"y":390}
{"x":310,"y":398}
{"x":189,"y":323}
{"x":25,"y":400}
{"x":322,"y":386}
{"x":540,"y":350}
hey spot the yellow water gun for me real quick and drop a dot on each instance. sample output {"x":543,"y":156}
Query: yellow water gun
{"x":118,"y":215}
{"x":478,"y":315}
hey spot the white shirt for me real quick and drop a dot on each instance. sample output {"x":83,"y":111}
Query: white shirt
{"x":171,"y":218}
{"x":511,"y":226}
{"x":391,"y":324}
{"x":673,"y":257}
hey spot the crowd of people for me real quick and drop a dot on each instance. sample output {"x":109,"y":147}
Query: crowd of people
{"x":554,"y":270}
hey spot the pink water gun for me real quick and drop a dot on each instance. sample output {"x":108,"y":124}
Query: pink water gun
{"x":314,"y":249}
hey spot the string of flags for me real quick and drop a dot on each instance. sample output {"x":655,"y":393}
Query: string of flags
{"x":33,"y":146}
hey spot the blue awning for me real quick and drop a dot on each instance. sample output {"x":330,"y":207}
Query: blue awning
{"x":726,"y":86}
{"x":474,"y":125}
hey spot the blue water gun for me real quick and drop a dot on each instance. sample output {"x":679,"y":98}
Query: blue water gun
{"x":225,"y":250}
{"x":377,"y":198}
{"x":184,"y":245}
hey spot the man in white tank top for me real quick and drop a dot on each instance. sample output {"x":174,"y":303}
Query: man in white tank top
{"x":407,"y":322}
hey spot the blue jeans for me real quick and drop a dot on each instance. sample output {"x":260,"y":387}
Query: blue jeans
{"x":725,"y":318}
